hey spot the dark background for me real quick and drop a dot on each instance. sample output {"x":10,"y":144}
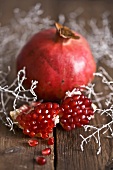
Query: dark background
{"x":92,"y":8}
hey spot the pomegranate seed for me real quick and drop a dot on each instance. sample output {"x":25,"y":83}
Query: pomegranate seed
{"x":32,"y":134}
{"x":82,"y":97}
{"x":66,"y":116}
{"x":33,"y":142}
{"x":76,"y":97}
{"x":41,"y":160}
{"x":74,"y":114}
{"x":73,"y":103}
{"x":34,"y":116}
{"x":62,"y":120}
{"x":39,"y":120}
{"x":26,"y":131}
{"x":35,"y":103}
{"x":71,"y":120}
{"x":22,"y":123}
{"x":46,"y":151}
{"x":73,"y":126}
{"x":45,"y":135}
{"x":87,"y":102}
{"x":42,"y":106}
{"x":66,"y":106}
{"x":49,"y":130}
{"x":33,"y":122}
{"x":79,"y":112}
{"x":55,"y":106}
{"x":85,"y":121}
{"x":75,"y":111}
{"x":49,"y":105}
{"x":51,"y":141}
{"x":28,"y":117}
{"x":67,"y":100}
{"x":67,"y":127}
{"x":34,"y":127}
{"x":38,"y":111}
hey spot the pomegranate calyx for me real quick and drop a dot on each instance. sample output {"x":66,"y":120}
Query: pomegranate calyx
{"x":65,"y":32}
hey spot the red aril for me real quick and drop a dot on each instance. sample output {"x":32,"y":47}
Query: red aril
{"x":38,"y":120}
{"x":50,"y":141}
{"x":41,"y":160}
{"x":59,"y":59}
{"x":76,"y":111}
{"x":46,"y":151}
{"x":33,"y":142}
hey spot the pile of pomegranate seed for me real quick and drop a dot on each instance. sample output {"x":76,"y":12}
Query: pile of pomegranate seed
{"x":38,"y":119}
{"x":76,"y":111}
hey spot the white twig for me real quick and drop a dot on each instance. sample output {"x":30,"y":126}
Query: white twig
{"x":17,"y":92}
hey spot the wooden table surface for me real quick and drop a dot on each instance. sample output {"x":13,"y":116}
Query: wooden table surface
{"x":66,"y":153}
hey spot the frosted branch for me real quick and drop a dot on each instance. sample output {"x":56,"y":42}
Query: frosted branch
{"x":16,"y":92}
{"x":97,"y":131}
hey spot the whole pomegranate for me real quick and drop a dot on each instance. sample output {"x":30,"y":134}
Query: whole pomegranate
{"x":59,"y":59}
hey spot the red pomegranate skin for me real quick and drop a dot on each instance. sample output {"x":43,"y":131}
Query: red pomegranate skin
{"x":58,"y":64}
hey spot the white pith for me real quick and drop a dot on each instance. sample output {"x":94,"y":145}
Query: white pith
{"x":56,"y":120}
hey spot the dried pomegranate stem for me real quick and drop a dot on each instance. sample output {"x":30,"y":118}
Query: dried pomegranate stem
{"x":65,"y":32}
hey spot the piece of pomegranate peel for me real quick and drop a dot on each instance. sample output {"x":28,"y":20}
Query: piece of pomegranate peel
{"x":59,"y":59}
{"x":76,"y":110}
{"x":37,"y":119}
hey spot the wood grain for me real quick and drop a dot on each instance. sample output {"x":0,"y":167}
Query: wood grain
{"x":70,"y":156}
{"x":16,"y":154}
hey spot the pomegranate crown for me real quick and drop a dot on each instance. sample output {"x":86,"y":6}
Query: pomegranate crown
{"x":65,"y":32}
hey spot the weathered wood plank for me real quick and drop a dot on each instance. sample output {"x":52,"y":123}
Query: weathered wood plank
{"x":15,"y":153}
{"x":69,"y":154}
{"x":23,"y":155}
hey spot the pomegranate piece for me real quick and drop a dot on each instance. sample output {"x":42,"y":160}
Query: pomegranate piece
{"x":38,"y":120}
{"x":41,"y":160}
{"x":59,"y":59}
{"x":50,"y":141}
{"x":76,"y":111}
{"x":46,"y":151}
{"x":33,"y":142}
